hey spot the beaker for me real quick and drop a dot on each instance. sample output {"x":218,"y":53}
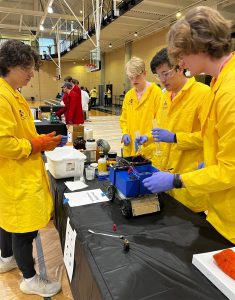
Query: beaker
{"x":78,"y":170}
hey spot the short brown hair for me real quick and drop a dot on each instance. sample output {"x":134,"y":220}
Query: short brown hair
{"x":15,"y":53}
{"x":68,"y":78}
{"x":203,"y":29}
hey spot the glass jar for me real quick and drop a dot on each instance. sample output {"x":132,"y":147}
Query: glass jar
{"x":79,"y":143}
{"x":91,"y":144}
{"x":112,"y":156}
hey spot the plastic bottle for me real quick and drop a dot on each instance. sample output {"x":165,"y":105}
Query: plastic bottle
{"x":39,"y":114}
{"x":102,"y":165}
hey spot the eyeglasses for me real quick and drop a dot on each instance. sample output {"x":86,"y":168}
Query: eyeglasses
{"x":27,"y":70}
{"x":167,"y":74}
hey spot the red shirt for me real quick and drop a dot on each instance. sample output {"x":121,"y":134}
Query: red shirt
{"x":65,"y":99}
{"x":76,"y":89}
{"x":74,"y":113}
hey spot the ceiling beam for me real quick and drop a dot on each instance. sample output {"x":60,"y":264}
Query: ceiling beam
{"x":161,"y":4}
{"x":136,"y":18}
{"x":34,"y":13}
{"x":21,"y":19}
{"x":26,"y":28}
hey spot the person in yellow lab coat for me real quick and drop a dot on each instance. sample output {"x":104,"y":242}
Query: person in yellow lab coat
{"x":139,"y":108}
{"x":93,"y":95}
{"x":25,"y":198}
{"x":201,"y":43}
{"x":179,"y":130}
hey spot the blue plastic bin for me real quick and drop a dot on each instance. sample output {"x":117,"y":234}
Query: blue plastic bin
{"x":130,"y":185}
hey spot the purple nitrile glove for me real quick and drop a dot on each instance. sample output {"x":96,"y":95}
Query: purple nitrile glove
{"x":63,"y":141}
{"x":201,"y":165}
{"x":140,"y":141}
{"x":126,"y":139}
{"x":159,"y":182}
{"x":163,"y":135}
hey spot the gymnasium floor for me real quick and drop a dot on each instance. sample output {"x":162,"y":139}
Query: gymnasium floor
{"x":104,"y":126}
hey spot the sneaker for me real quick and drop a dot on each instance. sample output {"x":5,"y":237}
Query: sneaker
{"x":7,"y":266}
{"x":39,"y":286}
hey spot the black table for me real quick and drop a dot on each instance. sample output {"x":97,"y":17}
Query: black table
{"x":45,"y":127}
{"x":159,"y":263}
{"x":49,"y":108}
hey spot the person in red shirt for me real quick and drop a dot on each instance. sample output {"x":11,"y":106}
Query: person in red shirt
{"x":74,"y":113}
{"x":65,"y":99}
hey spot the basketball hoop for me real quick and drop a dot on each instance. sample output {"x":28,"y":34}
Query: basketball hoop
{"x":90,"y":67}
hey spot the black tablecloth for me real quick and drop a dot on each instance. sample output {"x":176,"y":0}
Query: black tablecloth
{"x":49,"y":108}
{"x":45,"y":127}
{"x":159,"y":263}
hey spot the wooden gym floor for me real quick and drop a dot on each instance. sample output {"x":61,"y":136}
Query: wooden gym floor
{"x":104,"y":126}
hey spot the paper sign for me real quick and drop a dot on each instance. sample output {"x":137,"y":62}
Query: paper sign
{"x":85,"y":197}
{"x":69,"y":248}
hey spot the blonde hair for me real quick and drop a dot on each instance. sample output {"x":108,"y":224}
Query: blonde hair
{"x":203,"y":29}
{"x":135,"y":66}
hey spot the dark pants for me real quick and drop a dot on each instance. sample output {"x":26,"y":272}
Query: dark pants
{"x":93,"y":101}
{"x":5,"y":243}
{"x":109,"y":101}
{"x":106,"y":101}
{"x":21,"y":244}
{"x":89,"y":105}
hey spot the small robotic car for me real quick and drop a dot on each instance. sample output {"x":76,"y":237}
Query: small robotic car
{"x":127,"y":186}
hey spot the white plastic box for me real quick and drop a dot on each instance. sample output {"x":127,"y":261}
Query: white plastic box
{"x":61,"y":161}
{"x":207,"y":265}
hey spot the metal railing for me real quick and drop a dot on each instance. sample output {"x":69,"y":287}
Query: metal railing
{"x":78,"y":35}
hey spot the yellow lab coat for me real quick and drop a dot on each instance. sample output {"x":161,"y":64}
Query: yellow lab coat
{"x":218,"y":133}
{"x":181,"y":116}
{"x":138,"y":115}
{"x":25,"y":199}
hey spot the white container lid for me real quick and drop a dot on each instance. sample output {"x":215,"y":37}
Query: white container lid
{"x":63,"y":153}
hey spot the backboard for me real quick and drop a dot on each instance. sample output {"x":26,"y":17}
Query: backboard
{"x":95,"y":61}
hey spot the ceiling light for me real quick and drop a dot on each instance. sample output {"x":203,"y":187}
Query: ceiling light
{"x":80,"y":11}
{"x":50,"y":10}
{"x":83,"y":58}
{"x":178,"y":15}
{"x":136,"y":34}
{"x":41,"y":27}
{"x":110,"y":45}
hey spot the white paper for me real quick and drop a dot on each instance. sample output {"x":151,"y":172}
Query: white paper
{"x":207,"y":265}
{"x":37,"y":121}
{"x":69,"y":248}
{"x":75,"y":185}
{"x":85,"y":197}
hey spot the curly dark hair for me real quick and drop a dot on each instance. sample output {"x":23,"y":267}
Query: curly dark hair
{"x":15,"y":53}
